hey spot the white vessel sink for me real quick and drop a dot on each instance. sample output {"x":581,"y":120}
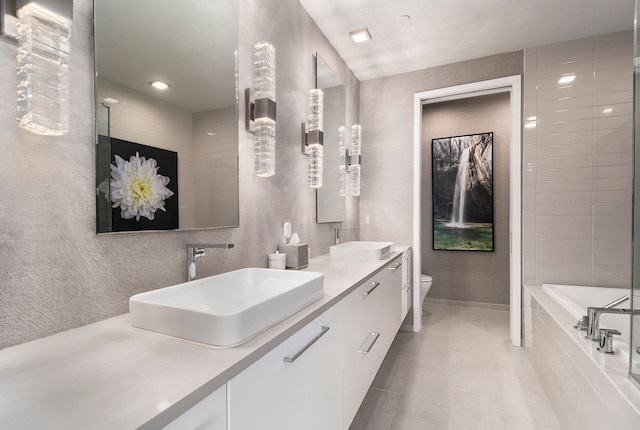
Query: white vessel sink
{"x":361,"y":250}
{"x":226,"y":309}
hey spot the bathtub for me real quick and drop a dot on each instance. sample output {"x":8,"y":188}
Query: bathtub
{"x":577,"y":299}
{"x":587,"y":389}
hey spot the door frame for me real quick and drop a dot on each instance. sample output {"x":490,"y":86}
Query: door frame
{"x":512,"y":85}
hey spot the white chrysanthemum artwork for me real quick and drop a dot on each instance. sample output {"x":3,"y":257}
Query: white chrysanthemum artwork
{"x":137,"y":188}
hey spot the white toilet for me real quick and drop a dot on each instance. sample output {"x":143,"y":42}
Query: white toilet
{"x":425,"y":286}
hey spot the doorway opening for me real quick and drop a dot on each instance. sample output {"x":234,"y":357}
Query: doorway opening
{"x":511,"y":85}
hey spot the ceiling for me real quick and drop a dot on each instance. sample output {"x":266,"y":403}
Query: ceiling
{"x":448,"y":31}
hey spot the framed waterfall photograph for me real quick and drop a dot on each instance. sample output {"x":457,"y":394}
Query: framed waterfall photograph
{"x":462,"y":184}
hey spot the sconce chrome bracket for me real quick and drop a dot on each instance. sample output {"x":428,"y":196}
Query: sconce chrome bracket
{"x":345,"y":160}
{"x":248,"y":120}
{"x":261,"y":108}
{"x":310,"y":138}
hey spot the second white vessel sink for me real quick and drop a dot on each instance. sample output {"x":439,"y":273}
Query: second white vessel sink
{"x":361,"y":250}
{"x":225,"y":309}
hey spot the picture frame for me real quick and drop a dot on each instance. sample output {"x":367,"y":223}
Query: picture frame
{"x":161,"y":165}
{"x":462,"y":185}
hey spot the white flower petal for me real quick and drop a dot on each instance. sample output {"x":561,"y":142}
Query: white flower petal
{"x":137,"y":188}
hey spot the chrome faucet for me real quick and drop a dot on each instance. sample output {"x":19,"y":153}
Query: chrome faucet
{"x":338,"y":230}
{"x":583,"y":323}
{"x":195,"y":251}
{"x":593,"y":319}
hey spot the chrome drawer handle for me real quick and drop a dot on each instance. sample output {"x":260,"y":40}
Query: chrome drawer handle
{"x":375,"y":339}
{"x":294,"y":357}
{"x":374,"y":286}
{"x":395,"y":267}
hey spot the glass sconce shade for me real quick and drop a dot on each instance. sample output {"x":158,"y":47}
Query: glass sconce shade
{"x":315,"y":150}
{"x":342,"y":162}
{"x":355,"y":180}
{"x":43,"y":70}
{"x":315,"y":105}
{"x":264,"y":86}
{"x":264,"y":71}
{"x":264,"y":147}
{"x":315,"y":166}
{"x":356,"y":143}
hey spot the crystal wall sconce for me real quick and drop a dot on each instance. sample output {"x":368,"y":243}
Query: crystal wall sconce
{"x":43,"y":31}
{"x":350,"y":161}
{"x":343,"y":153}
{"x":261,"y":111}
{"x":312,"y":138}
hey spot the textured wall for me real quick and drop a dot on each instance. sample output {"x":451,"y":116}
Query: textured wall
{"x":578,"y":162}
{"x":56,"y":274}
{"x":469,"y":276}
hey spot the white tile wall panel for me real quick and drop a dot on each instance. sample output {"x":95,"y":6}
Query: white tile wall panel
{"x":560,"y":198}
{"x":583,"y":167}
{"x":559,"y":157}
{"x":565,"y":233}
{"x":565,"y":103}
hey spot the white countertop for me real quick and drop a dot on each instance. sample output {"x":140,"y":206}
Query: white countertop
{"x":109,"y":375}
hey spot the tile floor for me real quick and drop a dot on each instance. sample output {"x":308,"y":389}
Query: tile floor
{"x":459,"y":372}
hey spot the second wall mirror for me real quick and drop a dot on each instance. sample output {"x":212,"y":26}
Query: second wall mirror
{"x":330,"y":206}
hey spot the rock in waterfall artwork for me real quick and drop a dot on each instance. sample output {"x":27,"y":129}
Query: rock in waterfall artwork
{"x":462,"y":184}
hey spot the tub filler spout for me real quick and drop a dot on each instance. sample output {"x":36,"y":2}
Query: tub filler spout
{"x":593,"y":319}
{"x":583,"y":323}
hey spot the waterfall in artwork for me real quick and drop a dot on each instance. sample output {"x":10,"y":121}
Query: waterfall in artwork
{"x":457,"y":214}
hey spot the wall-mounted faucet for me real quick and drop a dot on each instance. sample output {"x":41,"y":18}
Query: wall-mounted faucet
{"x":195,"y":251}
{"x":341,"y":229}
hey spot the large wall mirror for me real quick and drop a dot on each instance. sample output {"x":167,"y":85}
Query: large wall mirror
{"x":330,"y":206}
{"x":167,"y":158}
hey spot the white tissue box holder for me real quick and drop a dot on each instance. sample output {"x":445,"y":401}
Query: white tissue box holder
{"x":297,"y":255}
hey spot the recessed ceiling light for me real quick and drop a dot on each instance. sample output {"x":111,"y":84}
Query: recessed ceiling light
{"x":607,"y":111}
{"x":359,"y":36}
{"x":405,"y":18}
{"x":159,"y":85}
{"x":110,"y":100}
{"x":566,"y":79}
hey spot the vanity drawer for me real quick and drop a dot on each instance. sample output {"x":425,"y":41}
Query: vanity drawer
{"x":364,"y":342}
{"x":296,"y":385}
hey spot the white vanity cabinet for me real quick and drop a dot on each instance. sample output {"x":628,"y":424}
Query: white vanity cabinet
{"x":297,"y":385}
{"x":364,"y":341}
{"x":208,"y":414}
